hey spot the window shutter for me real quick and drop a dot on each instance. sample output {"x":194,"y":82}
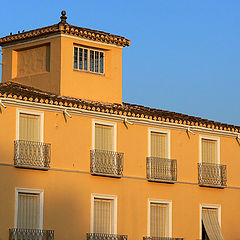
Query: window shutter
{"x":158,"y":145}
{"x":29,"y":128}
{"x":211,"y":224}
{"x":158,"y":220}
{"x":103,"y":137}
{"x":209,"y":149}
{"x":102,"y":216}
{"x":28,"y":211}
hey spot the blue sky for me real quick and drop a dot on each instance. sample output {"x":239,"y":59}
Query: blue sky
{"x":184,"y":56}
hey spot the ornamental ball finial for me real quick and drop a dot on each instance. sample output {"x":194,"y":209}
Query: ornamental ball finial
{"x":63,"y":17}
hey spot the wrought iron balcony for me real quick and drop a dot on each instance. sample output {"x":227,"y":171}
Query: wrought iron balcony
{"x":161,"y":238}
{"x":30,"y":234}
{"x":107,"y":163}
{"x":161,"y":169}
{"x":103,"y":236}
{"x":30,"y":154}
{"x":213,"y":175}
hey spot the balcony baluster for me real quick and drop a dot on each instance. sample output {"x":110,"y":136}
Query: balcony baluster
{"x":29,"y":154}
{"x":106,"y":163}
{"x":30,"y":234}
{"x":161,"y":169}
{"x":213,"y":175}
{"x":103,"y":236}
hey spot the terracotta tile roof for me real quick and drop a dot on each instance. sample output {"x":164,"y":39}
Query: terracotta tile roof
{"x":21,"y":92}
{"x":64,"y":27}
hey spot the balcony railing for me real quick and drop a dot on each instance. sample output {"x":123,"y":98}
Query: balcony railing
{"x":161,"y":169}
{"x":30,"y":234}
{"x":161,"y":238}
{"x":103,"y":236}
{"x":106,"y":163}
{"x":29,"y":154}
{"x":210,"y":174}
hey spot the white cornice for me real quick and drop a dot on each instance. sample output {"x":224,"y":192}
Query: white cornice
{"x":113,"y":117}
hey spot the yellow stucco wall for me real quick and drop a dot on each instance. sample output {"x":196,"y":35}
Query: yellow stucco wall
{"x":76,"y":83}
{"x":69,"y":185}
{"x":32,"y":61}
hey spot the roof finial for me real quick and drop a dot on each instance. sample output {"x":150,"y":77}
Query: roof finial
{"x":63,"y":17}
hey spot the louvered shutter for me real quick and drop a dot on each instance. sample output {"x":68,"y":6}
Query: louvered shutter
{"x":159,"y":220}
{"x":103,"y":216}
{"x":29,"y":127}
{"x":28,"y":211}
{"x":158,"y":145}
{"x":209,"y":150}
{"x":103,"y":137}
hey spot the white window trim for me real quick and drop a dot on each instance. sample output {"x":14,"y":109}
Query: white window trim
{"x":217,"y":139}
{"x":89,"y":49}
{"x":157,"y":130}
{"x":37,"y":113}
{"x":109,"y":197}
{"x":169,"y":203}
{"x":214,"y":206}
{"x":25,"y":190}
{"x":111,"y":124}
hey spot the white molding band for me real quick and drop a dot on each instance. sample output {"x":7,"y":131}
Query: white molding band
{"x":117,"y":118}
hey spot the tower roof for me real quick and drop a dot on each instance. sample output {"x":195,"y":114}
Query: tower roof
{"x":65,"y":28}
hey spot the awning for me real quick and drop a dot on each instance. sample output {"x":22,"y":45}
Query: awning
{"x":211,"y":224}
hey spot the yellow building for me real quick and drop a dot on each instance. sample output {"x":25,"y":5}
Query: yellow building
{"x":78,"y":163}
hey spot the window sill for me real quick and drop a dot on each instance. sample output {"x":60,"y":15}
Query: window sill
{"x":95,"y":73}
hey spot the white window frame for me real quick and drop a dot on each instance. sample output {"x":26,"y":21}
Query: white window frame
{"x":107,"y":197}
{"x":214,"y":206}
{"x":169,"y":203}
{"x":164,"y":131}
{"x":37,"y":113}
{"x":30,"y":191}
{"x":217,"y":139}
{"x":88,"y":69}
{"x":110,"y":124}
